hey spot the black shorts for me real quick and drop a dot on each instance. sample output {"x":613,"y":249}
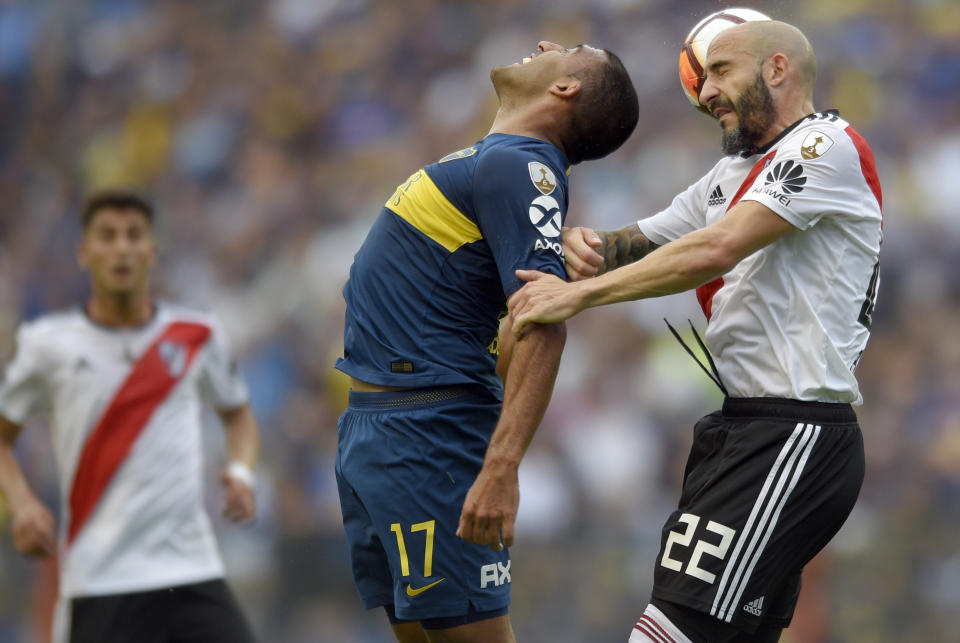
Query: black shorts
{"x":768,"y":483}
{"x":197,"y":613}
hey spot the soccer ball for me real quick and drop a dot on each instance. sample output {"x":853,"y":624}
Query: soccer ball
{"x":694,"y":51}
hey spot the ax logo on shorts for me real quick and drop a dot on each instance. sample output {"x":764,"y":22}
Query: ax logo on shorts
{"x":496,"y":573}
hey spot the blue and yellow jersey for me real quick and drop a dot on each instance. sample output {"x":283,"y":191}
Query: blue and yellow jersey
{"x":430,"y":281}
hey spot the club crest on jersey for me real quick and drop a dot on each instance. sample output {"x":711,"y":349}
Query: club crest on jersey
{"x":174,"y":356}
{"x":459,"y":154}
{"x":542,"y":177}
{"x":815,"y":145}
{"x":545,"y":215}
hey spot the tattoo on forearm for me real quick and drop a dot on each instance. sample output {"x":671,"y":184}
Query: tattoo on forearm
{"x":624,"y":246}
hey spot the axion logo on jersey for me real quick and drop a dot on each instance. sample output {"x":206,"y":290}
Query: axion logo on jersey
{"x":545,"y":215}
{"x":716,"y":197}
{"x":542,"y":177}
{"x":546,"y":244}
{"x":815,"y":145}
{"x":174,"y":356}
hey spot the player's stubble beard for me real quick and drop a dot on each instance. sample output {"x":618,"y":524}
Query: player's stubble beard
{"x":755,"y":114}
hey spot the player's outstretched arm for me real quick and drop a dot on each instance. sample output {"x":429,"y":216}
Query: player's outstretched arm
{"x":490,"y":508}
{"x":243,"y":445}
{"x":33,"y":524}
{"x":683,"y":264}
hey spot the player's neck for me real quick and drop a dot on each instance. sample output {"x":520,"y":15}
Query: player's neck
{"x":523,"y":123}
{"x":127,"y":309}
{"x":785,"y":119}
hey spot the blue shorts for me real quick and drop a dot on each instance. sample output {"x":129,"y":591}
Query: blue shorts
{"x":405,"y":461}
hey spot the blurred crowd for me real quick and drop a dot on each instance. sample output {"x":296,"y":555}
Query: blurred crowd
{"x":270,"y":132}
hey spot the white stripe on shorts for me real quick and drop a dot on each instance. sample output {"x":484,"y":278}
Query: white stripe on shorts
{"x":780,"y":482}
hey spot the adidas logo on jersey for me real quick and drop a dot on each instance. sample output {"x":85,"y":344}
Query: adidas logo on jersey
{"x":754,"y":607}
{"x":716,"y":197}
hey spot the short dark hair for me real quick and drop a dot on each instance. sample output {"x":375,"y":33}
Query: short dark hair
{"x":116,"y":198}
{"x":605,"y":114}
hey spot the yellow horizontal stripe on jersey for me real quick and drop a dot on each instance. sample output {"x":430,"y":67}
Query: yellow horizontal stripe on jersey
{"x":419,"y":202}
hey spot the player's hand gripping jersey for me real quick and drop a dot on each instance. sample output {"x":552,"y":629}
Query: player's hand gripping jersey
{"x":428,"y":284}
{"x":126,"y":435}
{"x":792,"y":319}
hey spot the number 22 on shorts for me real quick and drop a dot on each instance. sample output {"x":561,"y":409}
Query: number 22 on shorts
{"x":702,"y":547}
{"x":427,"y":526}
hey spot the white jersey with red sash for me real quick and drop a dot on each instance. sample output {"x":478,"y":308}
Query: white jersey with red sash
{"x":792,"y":319}
{"x":125,"y":410}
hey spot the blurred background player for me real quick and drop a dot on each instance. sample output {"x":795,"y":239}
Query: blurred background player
{"x":123,"y":380}
{"x":781,"y":241}
{"x":424,"y":297}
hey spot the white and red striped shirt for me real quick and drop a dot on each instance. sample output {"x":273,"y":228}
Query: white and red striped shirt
{"x":125,"y":410}
{"x":792,"y":319}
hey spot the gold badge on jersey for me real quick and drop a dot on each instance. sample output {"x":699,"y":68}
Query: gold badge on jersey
{"x":815,"y":145}
{"x":459,"y":154}
{"x":542,"y":177}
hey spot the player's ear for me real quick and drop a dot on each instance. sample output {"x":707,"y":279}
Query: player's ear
{"x":82,"y":255}
{"x":776,"y":69}
{"x":566,"y":87}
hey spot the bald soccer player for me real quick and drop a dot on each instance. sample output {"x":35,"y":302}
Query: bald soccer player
{"x":781,"y":242}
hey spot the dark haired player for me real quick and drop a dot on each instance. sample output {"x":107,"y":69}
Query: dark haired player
{"x":781,"y":241}
{"x":431,"y":441}
{"x":123,"y":380}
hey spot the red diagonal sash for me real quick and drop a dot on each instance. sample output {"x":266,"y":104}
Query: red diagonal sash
{"x":706,"y":292}
{"x":150,"y":381}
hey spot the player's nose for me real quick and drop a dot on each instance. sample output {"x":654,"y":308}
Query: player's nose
{"x":708,"y":93}
{"x":546,"y":45}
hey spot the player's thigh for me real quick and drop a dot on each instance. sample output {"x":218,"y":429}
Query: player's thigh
{"x":492,"y":630}
{"x":206,"y":612}
{"x":411,"y":632}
